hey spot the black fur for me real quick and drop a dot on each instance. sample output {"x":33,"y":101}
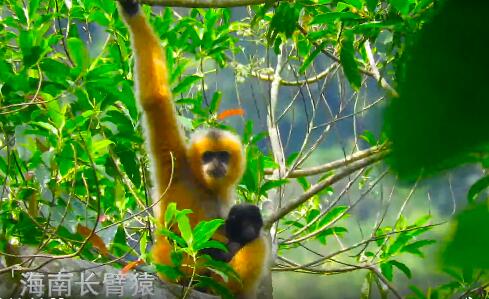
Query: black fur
{"x":242,"y":226}
{"x":131,"y":7}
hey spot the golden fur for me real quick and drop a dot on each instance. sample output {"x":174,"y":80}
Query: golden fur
{"x":190,"y":188}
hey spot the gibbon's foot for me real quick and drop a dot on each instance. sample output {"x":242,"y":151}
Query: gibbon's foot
{"x":131,"y":7}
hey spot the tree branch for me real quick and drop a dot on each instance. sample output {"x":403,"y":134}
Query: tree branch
{"x":376,"y":73}
{"x":310,"y":80}
{"x":376,"y":150}
{"x":340,"y":216}
{"x":325,"y":258}
{"x":385,"y":281}
{"x":316,"y":188}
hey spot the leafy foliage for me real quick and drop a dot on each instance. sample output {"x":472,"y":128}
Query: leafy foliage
{"x":189,"y":264}
{"x":439,"y":121}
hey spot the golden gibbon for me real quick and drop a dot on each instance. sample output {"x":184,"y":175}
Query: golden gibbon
{"x":202,"y":173}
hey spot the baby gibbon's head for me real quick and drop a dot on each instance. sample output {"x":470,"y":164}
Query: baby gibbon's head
{"x":244,"y":223}
{"x":216,"y":158}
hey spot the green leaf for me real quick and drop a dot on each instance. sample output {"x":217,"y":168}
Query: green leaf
{"x":477,"y":188}
{"x":56,"y":113}
{"x":369,"y":137}
{"x":284,"y":21}
{"x":402,"y":267}
{"x":372,"y":4}
{"x":303,"y":46}
{"x":348,"y":61}
{"x":223,"y":269}
{"x":170,"y":211}
{"x":309,"y":59}
{"x":216,"y":101}
{"x":415,"y":246}
{"x":330,"y":17}
{"x":399,"y":242}
{"x":143,"y":242}
{"x":176,"y":258}
{"x":468,"y":275}
{"x":19,"y":11}
{"x":31,"y":51}
{"x":173,"y":236}
{"x":418,"y":292}
{"x":291,"y":158}
{"x":185,"y":229}
{"x":386,"y":269}
{"x":336,"y":230}
{"x":355,"y":3}
{"x":186,"y":83}
{"x":33,"y":6}
{"x":211,"y":244}
{"x":422,"y":220}
{"x":100,"y":147}
{"x":99,"y":17}
{"x":401,"y":5}
{"x":169,"y":271}
{"x":305,"y":184}
{"x":210,"y":283}
{"x":78,"y":52}
{"x":332,"y":215}
{"x":47,"y":126}
{"x":129,"y":160}
{"x":271,"y":184}
{"x":204,"y":230}
{"x":119,"y":244}
{"x":55,"y":70}
{"x":185,"y":122}
{"x":311,"y":215}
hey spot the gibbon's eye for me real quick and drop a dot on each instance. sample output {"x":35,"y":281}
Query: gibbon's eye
{"x":223,"y":156}
{"x":220,"y":156}
{"x":208,"y":156}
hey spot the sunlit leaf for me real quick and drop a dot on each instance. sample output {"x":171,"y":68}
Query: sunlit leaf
{"x":78,"y":52}
{"x":186,"y":83}
{"x":185,"y":229}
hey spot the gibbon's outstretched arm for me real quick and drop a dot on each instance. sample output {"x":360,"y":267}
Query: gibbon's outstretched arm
{"x":154,"y":94}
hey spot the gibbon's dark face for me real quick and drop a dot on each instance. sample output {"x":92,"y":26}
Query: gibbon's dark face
{"x":216,"y":158}
{"x":244,"y":223}
{"x":216,"y":163}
